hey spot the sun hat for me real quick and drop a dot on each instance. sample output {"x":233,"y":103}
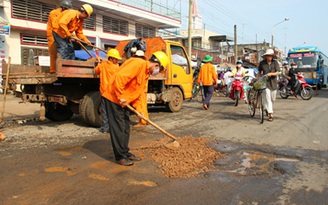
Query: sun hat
{"x":269,"y":52}
{"x":207,"y":58}
{"x":139,"y":53}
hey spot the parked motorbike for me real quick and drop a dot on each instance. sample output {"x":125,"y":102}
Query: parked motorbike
{"x":220,"y":89}
{"x":237,"y":92}
{"x":302,"y":88}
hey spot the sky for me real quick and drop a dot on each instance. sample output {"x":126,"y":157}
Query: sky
{"x":257,"y":20}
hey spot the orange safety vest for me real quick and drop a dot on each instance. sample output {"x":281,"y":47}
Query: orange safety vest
{"x":52,"y":23}
{"x":70,"y":22}
{"x":129,"y":82}
{"x":105,"y":71}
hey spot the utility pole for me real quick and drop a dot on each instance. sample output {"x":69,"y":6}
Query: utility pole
{"x":189,"y":28}
{"x":235,"y":39}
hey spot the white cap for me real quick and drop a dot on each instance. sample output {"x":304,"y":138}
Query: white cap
{"x":139,"y":53}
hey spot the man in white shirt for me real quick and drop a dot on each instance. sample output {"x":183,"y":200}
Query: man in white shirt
{"x":228,"y":79}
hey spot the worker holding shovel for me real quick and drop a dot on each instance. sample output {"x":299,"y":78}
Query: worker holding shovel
{"x":127,"y":87}
{"x":53,"y":23}
{"x":70,"y":22}
{"x":106,"y":70}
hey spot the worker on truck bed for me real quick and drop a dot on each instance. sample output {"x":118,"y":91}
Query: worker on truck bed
{"x":126,"y":87}
{"x":69,"y":22}
{"x":53,"y":23}
{"x":106,"y":70}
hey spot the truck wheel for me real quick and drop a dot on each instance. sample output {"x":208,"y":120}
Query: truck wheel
{"x":93,"y":112}
{"x":83,"y":107}
{"x":57,"y":112}
{"x":176,"y":102}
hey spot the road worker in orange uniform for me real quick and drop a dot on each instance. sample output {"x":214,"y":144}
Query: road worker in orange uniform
{"x":106,"y":70}
{"x":53,"y":23}
{"x":127,"y":86}
{"x":208,"y":77}
{"x":70,"y":22}
{"x":142,"y":106}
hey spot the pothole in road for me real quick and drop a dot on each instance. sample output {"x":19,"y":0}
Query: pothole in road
{"x":253,"y":162}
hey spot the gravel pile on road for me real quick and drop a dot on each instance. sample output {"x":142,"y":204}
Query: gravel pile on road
{"x":191,"y":158}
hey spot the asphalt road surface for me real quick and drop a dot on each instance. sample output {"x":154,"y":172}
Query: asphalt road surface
{"x":279,"y":162}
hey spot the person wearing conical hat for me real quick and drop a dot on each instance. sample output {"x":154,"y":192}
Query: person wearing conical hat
{"x":208,"y":77}
{"x":269,"y":66}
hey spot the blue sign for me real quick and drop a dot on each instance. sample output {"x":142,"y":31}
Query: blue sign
{"x":5,"y":30}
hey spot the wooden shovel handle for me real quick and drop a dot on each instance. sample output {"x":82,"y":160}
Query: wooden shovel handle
{"x":5,"y":89}
{"x":150,"y":122}
{"x":85,"y":48}
{"x":79,"y":40}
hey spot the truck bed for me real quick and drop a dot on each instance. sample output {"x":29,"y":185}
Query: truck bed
{"x":35,"y":74}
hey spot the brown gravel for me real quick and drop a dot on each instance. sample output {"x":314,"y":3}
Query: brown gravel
{"x":191,"y":158}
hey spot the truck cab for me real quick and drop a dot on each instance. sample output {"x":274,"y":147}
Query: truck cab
{"x":174,"y":85}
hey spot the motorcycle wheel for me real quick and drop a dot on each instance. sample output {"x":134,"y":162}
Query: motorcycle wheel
{"x":237,"y":96}
{"x":283,"y":93}
{"x":306,"y":93}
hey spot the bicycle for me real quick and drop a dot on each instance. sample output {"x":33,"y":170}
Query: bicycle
{"x":197,"y":92}
{"x":200,"y":93}
{"x":254,"y":96}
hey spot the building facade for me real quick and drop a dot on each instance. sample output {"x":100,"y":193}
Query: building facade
{"x":110,"y":22}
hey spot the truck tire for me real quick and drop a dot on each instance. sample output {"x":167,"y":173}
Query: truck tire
{"x":83,"y":107}
{"x":176,"y":102}
{"x":57,"y":112}
{"x":93,"y":112}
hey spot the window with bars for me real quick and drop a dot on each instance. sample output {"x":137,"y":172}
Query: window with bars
{"x":31,"y":9}
{"x":116,"y":26}
{"x":90,"y":23}
{"x":30,"y":39}
{"x":145,"y":31}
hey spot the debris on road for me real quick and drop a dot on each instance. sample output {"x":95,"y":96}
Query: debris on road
{"x":2,"y":136}
{"x":192,"y":157}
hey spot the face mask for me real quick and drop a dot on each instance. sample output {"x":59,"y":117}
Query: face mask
{"x":155,"y":72}
{"x":294,"y":67}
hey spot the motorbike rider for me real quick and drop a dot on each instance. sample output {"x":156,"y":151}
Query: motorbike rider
{"x":283,"y":77}
{"x":292,"y":77}
{"x":227,"y":79}
{"x":285,"y":70}
{"x":239,"y":71}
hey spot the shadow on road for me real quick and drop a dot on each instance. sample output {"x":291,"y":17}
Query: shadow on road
{"x":102,"y":148}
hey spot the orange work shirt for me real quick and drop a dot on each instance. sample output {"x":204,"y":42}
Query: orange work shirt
{"x":207,"y":75}
{"x":70,"y":22}
{"x":52,"y":23}
{"x":105,"y":70}
{"x":130,"y":81}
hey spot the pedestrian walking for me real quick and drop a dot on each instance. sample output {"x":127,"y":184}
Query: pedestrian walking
{"x":270,"y":67}
{"x":208,"y":77}
{"x":53,"y":23}
{"x":70,"y":24}
{"x":106,"y":70}
{"x":127,"y":87}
